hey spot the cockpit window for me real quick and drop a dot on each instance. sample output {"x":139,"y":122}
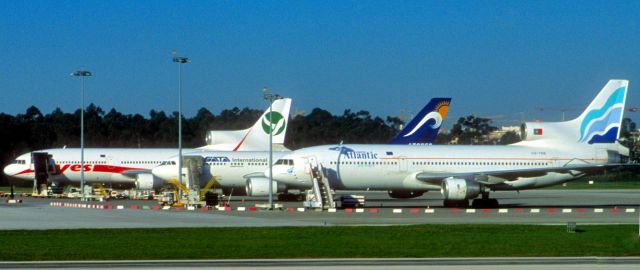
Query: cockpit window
{"x":19,"y":161}
{"x":168,"y":162}
{"x":284,"y":162}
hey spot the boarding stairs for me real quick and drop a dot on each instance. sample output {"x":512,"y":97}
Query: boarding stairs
{"x":320,"y":196}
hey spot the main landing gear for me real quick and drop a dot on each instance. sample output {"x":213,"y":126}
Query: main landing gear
{"x":456,"y":203}
{"x":485,"y":202}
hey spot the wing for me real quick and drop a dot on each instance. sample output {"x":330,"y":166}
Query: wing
{"x":499,"y":176}
{"x":255,"y":174}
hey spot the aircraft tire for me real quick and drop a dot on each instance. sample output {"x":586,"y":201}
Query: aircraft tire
{"x":453,"y":203}
{"x":485,"y":203}
{"x":493,"y":203}
{"x":477,"y":203}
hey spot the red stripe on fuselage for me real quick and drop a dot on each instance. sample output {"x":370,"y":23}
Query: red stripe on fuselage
{"x":112,"y":169}
{"x":94,"y":168}
{"x":24,"y":172}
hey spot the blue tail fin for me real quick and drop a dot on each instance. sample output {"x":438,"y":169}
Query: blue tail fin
{"x":601,"y":121}
{"x":423,"y":128}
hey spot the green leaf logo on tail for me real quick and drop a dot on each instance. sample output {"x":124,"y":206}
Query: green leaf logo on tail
{"x":279,"y":123}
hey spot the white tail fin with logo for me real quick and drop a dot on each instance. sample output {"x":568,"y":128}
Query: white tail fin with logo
{"x":255,"y":138}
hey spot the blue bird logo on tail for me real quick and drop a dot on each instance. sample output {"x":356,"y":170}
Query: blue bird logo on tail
{"x":424,"y":127}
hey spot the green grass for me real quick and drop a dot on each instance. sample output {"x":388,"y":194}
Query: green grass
{"x":16,"y":190}
{"x":320,"y":242}
{"x":623,"y":180}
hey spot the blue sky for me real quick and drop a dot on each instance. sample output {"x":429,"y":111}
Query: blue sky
{"x":494,"y":58}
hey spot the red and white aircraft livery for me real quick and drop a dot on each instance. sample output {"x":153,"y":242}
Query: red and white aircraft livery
{"x":132,"y":166}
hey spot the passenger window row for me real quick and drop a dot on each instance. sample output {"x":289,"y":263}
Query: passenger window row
{"x":365,"y":162}
{"x":141,"y":162}
{"x":482,"y":163}
{"x":78,"y":162}
{"x":238,"y":164}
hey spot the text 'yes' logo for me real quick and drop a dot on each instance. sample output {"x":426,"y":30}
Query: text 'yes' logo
{"x":276,"y":119}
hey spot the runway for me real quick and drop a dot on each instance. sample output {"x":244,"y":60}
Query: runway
{"x":526,"y":207}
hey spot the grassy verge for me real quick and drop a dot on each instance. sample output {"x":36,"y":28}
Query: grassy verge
{"x":321,"y":242}
{"x":16,"y":190}
{"x":623,"y":180}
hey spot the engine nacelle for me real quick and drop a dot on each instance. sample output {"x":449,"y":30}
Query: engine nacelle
{"x":460,"y":189}
{"x":259,"y":186}
{"x":215,"y":137}
{"x":534,"y":131}
{"x":148,"y":181}
{"x":403,"y":194}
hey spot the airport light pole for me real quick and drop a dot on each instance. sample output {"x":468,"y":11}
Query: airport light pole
{"x":180,"y":61}
{"x":270,"y":97}
{"x":82,"y":74}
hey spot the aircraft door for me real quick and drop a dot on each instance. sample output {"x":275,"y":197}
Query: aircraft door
{"x":110,"y":162}
{"x":313,"y":161}
{"x":605,"y":156}
{"x":41,"y":164}
{"x":311,"y":164}
{"x":193,"y":165}
{"x":402,"y":164}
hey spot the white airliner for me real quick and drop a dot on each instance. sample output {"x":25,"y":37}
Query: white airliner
{"x":132,"y":166}
{"x":550,"y":154}
{"x":241,"y":177}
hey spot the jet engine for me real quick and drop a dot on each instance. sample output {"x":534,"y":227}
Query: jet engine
{"x":148,"y":181}
{"x":460,"y":189}
{"x":259,"y":186}
{"x":403,"y":194}
{"x":533,"y":131}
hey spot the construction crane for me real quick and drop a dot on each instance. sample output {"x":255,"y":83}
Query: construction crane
{"x":562,"y":110}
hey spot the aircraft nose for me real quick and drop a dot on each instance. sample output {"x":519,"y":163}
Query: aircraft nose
{"x":9,"y":170}
{"x":280,"y":172}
